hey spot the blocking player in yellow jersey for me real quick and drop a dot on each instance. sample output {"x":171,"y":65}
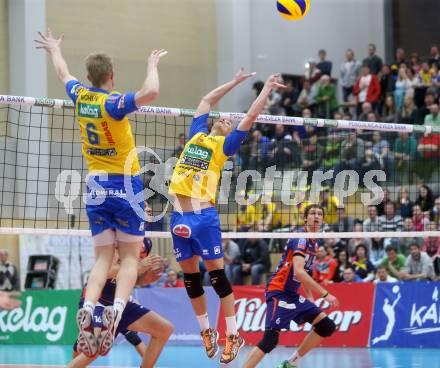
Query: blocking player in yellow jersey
{"x":195,"y":225}
{"x":113,"y":183}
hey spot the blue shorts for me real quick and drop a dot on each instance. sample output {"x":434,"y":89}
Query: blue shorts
{"x":132,"y":313}
{"x":196,"y":234}
{"x":282,"y":309}
{"x":120,"y":210}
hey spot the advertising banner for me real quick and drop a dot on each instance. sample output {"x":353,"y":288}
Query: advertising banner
{"x":352,"y":317}
{"x":406,"y":315}
{"x":45,"y":317}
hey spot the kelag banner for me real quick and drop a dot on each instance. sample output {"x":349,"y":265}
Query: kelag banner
{"x":352,"y":317}
{"x":406,"y":315}
{"x":45,"y":317}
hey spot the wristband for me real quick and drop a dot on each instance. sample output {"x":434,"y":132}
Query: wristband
{"x":325,"y":294}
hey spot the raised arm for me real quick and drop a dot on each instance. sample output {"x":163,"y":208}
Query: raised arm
{"x":216,"y":95}
{"x":53,"y":47}
{"x":272,"y":82}
{"x":150,"y":88}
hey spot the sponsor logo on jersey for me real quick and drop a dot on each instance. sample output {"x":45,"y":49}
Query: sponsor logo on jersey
{"x":121,"y":103}
{"x":101,"y":152}
{"x":89,"y":111}
{"x":89,"y":97}
{"x":217,"y":249}
{"x":198,"y":152}
{"x":182,"y":230}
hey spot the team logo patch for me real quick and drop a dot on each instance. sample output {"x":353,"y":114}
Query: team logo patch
{"x":182,"y":230}
{"x":301,"y":244}
{"x":205,"y":252}
{"x":121,"y":103}
{"x":217,"y":249}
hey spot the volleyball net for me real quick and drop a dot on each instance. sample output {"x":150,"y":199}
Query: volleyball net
{"x":285,"y":164}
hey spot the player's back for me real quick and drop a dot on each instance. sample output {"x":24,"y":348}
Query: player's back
{"x":283,"y":280}
{"x":107,"y":140}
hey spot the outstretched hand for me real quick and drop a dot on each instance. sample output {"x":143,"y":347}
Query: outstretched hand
{"x":242,"y":75}
{"x":48,"y":41}
{"x":7,"y":300}
{"x":274,"y":81}
{"x":155,"y":56}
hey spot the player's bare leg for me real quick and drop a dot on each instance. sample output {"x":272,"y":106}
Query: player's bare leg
{"x":81,"y":361}
{"x":255,"y":356}
{"x":233,"y":340}
{"x":209,"y":335}
{"x":87,"y":341}
{"x":160,"y":331}
{"x":125,"y":282}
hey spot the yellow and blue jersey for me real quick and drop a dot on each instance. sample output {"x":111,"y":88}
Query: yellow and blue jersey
{"x":198,"y":169}
{"x":107,"y":140}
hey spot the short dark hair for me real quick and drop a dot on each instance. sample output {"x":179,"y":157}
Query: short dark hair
{"x":380,"y":267}
{"x":414,"y":244}
{"x":99,"y":67}
{"x":311,"y":206}
{"x":390,"y":247}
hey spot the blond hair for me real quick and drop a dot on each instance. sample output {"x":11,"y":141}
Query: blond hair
{"x":99,"y":67}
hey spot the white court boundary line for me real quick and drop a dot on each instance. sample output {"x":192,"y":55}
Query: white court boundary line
{"x":236,"y":235}
{"x":233,"y":116}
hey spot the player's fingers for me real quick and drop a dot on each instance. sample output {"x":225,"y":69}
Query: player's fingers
{"x":42,"y":36}
{"x":62,"y":37}
{"x":279,"y":85}
{"x":39,"y":41}
{"x":163,"y":53}
{"x":49,"y":32}
{"x":250,"y":74}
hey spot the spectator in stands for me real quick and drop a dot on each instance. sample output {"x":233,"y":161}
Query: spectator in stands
{"x":424,"y":75}
{"x":400,"y":58}
{"x":389,"y":111}
{"x":330,"y":204}
{"x":273,"y":103}
{"x":393,"y":262}
{"x":403,"y":84}
{"x":429,"y":150}
{"x":405,"y":153}
{"x":415,"y":62}
{"x":306,"y":98}
{"x":353,"y":243}
{"x":434,"y":214}
{"x":434,"y":56}
{"x":404,"y":243}
{"x":349,"y":275}
{"x":349,"y":70}
{"x":382,"y":275}
{"x":418,"y":218}
{"x":311,"y":156}
{"x":180,"y":146}
{"x":381,"y":149}
{"x":8,"y":273}
{"x":173,"y":281}
{"x":387,"y":83}
{"x":289,"y":97}
{"x":326,"y":97}
{"x":332,"y":151}
{"x":377,"y":251}
{"x":429,"y":99}
{"x":362,"y":265}
{"x":267,"y":214}
{"x":352,"y":153}
{"x":254,"y":260}
{"x":166,"y":268}
{"x":325,"y":66}
{"x":409,"y":113}
{"x":381,"y":206}
{"x":367,"y":89}
{"x":367,"y":109}
{"x":342,"y":263}
{"x":231,"y":253}
{"x":431,"y":244}
{"x":325,"y":267}
{"x":418,"y":265}
{"x":390,"y":221}
{"x":433,"y":119}
{"x":284,"y":151}
{"x":344,"y":223}
{"x":373,"y":61}
{"x":247,"y":217}
{"x":425,"y":198}
{"x":372,"y":223}
{"x":312,"y":72}
{"x":404,"y":205}
{"x":259,"y":149}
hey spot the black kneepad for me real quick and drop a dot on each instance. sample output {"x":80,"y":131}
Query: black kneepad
{"x":325,"y":327}
{"x":193,"y":284}
{"x":220,"y":283}
{"x":133,"y":338}
{"x":269,"y":341}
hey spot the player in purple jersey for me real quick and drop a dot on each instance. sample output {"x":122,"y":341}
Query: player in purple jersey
{"x":284,"y":304}
{"x":135,"y":317}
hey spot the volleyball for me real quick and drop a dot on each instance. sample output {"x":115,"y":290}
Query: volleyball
{"x":293,"y":9}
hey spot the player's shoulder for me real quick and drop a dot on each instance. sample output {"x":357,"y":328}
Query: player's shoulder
{"x":297,"y":243}
{"x":75,"y":87}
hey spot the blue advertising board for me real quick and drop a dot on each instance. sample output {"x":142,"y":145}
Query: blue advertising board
{"x":406,"y":314}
